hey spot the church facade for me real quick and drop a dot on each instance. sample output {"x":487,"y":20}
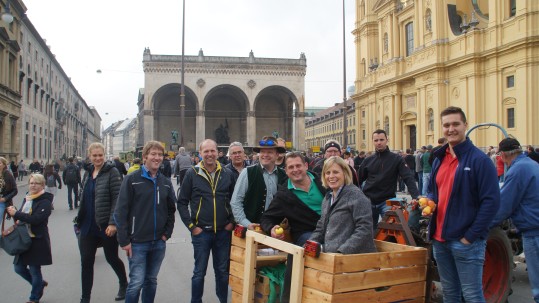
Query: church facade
{"x":226,"y":99}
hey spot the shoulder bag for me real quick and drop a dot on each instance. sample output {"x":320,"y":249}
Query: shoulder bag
{"x":15,"y":240}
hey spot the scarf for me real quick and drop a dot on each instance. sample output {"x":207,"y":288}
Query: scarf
{"x":27,"y":208}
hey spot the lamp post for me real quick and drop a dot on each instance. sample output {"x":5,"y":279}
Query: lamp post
{"x":345,"y":126}
{"x":182,"y":87}
{"x":7,"y":17}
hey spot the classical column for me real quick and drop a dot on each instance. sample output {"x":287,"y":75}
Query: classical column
{"x":251,"y":128}
{"x":299,"y":137}
{"x":397,"y":123}
{"x":200,"y":128}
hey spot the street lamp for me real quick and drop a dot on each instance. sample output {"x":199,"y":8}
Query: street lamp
{"x":182,"y":87}
{"x":345,"y":126}
{"x":7,"y":17}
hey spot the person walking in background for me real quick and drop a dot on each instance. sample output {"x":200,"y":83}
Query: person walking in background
{"x":521,"y":204}
{"x":165,"y":167}
{"x":120,"y":167}
{"x":427,"y":168}
{"x":465,"y":189}
{"x":100,"y":188}
{"x":14,"y":169}
{"x":35,"y":167}
{"x":135,"y":166}
{"x":22,"y":170}
{"x":204,"y":207}
{"x":35,"y":211}
{"x":144,"y":215}
{"x":71,"y":178}
{"x":419,"y":168}
{"x":53,"y":182}
{"x":181,"y":165}
{"x":8,"y":187}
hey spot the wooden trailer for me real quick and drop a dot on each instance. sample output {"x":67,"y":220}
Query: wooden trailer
{"x":393,"y":274}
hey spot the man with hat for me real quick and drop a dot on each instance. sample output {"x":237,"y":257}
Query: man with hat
{"x":521,"y":203}
{"x":333,"y":148}
{"x":257,"y":184}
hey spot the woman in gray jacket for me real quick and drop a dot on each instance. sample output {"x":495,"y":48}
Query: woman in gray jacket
{"x":345,"y":225}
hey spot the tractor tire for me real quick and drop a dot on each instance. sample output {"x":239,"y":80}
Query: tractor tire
{"x":498,"y":267}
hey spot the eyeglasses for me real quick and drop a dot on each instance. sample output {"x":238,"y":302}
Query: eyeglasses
{"x":237,"y":153}
{"x":34,"y":183}
{"x":267,"y":142}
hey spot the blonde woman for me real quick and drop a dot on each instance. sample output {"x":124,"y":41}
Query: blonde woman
{"x":35,"y":212}
{"x":8,"y":187}
{"x":345,"y":225}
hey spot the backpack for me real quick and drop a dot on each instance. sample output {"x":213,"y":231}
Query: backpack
{"x":71,"y":174}
{"x":51,"y":181}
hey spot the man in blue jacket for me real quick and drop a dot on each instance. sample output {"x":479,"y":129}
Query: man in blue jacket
{"x":464,"y":185}
{"x":144,"y":217}
{"x":206,"y":191}
{"x":521,"y":203}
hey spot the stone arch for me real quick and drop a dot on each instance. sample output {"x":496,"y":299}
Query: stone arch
{"x":225,"y":110}
{"x":166,"y":108}
{"x":408,"y":115}
{"x":274,"y":109}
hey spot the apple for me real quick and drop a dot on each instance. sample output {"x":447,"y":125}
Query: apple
{"x":427,"y":211}
{"x":431,"y":204}
{"x":279,"y":231}
{"x":423,"y":201}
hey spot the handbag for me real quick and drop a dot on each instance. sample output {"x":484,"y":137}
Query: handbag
{"x":15,"y":240}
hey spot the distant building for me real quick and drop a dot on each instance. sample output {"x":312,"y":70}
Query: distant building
{"x":415,"y":58}
{"x":120,"y":137}
{"x":328,"y":124}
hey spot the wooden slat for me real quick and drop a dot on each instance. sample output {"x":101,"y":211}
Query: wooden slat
{"x":337,"y":263}
{"x":236,"y":284}
{"x":237,"y":253}
{"x":236,"y":297}
{"x":391,"y":294}
{"x":236,"y":269}
{"x":249,"y":271}
{"x":362,"y":280}
{"x":237,"y":241}
{"x":388,"y":246}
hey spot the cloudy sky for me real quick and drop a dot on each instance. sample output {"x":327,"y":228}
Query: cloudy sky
{"x":111,"y":36}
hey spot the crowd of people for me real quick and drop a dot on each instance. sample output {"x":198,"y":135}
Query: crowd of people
{"x":335,"y":200}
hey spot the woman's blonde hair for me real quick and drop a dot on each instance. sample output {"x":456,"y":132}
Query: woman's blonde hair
{"x":94,"y":146}
{"x":4,"y":161}
{"x":39,"y":178}
{"x":344,"y":166}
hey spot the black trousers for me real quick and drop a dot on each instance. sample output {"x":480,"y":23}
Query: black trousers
{"x":88,"y":247}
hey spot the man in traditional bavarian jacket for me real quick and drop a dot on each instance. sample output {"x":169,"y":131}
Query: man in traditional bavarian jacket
{"x":206,"y":191}
{"x":257,"y":184}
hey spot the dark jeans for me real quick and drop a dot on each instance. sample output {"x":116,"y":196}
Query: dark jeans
{"x":420,"y":181}
{"x":32,"y":274}
{"x":179,"y":179}
{"x":144,"y":265}
{"x":72,"y":188}
{"x":378,"y":210}
{"x":219,"y":246}
{"x":88,"y":246}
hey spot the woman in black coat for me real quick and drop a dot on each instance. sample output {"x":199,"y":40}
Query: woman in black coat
{"x":35,"y":212}
{"x":8,"y":187}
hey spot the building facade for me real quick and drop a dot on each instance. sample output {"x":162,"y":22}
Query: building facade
{"x":328,"y":124}
{"x":56,"y":121}
{"x":226,"y":99}
{"x":120,"y":137}
{"x":415,"y":58}
{"x":10,"y":82}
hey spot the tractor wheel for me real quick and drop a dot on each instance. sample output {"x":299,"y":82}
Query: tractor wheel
{"x":498,"y":267}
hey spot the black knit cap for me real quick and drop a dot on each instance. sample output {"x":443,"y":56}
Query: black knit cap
{"x":508,"y":144}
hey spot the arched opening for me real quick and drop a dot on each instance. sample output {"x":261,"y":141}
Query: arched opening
{"x":274,"y":111}
{"x":225,"y":109}
{"x":166,"y":107}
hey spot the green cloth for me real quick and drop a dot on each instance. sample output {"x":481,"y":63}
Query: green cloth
{"x":311,"y":198}
{"x":427,"y":168}
{"x":255,"y":198}
{"x":276,"y":276}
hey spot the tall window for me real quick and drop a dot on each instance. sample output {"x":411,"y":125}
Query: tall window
{"x":512,"y":7}
{"x":409,"y":27}
{"x":386,"y":43}
{"x":510,"y":118}
{"x":386,"y":125}
{"x":431,"y":119}
{"x":511,"y":81}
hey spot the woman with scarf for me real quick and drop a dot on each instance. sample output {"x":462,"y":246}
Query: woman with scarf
{"x":35,"y":212}
{"x":8,"y":187}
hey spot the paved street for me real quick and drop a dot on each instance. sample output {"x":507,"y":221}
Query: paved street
{"x":174,"y":279}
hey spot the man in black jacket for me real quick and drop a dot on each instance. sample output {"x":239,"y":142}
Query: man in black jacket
{"x":120,"y":166}
{"x":144,"y":217}
{"x":71,"y":178}
{"x":206,"y":190}
{"x":380,"y":172}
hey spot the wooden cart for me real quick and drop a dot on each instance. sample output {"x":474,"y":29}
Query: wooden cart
{"x":394,"y":273}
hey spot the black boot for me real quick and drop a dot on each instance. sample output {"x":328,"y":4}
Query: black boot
{"x":84,"y":300}
{"x":121,"y":292}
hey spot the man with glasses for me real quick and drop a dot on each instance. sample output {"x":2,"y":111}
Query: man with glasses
{"x":257,"y":184}
{"x":333,"y":148}
{"x":236,"y":155}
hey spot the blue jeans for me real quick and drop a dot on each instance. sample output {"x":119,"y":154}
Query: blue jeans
{"x":461,"y":270}
{"x":144,"y":266}
{"x":72,"y":189}
{"x":2,"y":210}
{"x":219,"y":245}
{"x":426,"y":178}
{"x":378,"y":210}
{"x":420,"y":181}
{"x":531,"y":250}
{"x":413,"y":218}
{"x":32,"y":274}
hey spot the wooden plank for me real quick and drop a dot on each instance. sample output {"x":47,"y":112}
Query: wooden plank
{"x":249,"y":272}
{"x":237,"y":253}
{"x":236,"y":284}
{"x":410,"y":291}
{"x":337,"y":263}
{"x":362,"y":280}
{"x":237,"y":241}
{"x":388,"y":246}
{"x":297,"y":277}
{"x":236,"y":297}
{"x":274,"y":243}
{"x":236,"y":269}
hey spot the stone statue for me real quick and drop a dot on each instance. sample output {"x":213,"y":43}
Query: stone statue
{"x":174,"y":134}
{"x":221,"y":134}
{"x":275,"y":134}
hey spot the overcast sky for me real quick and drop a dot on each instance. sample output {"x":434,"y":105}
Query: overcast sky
{"x":111,"y":36}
